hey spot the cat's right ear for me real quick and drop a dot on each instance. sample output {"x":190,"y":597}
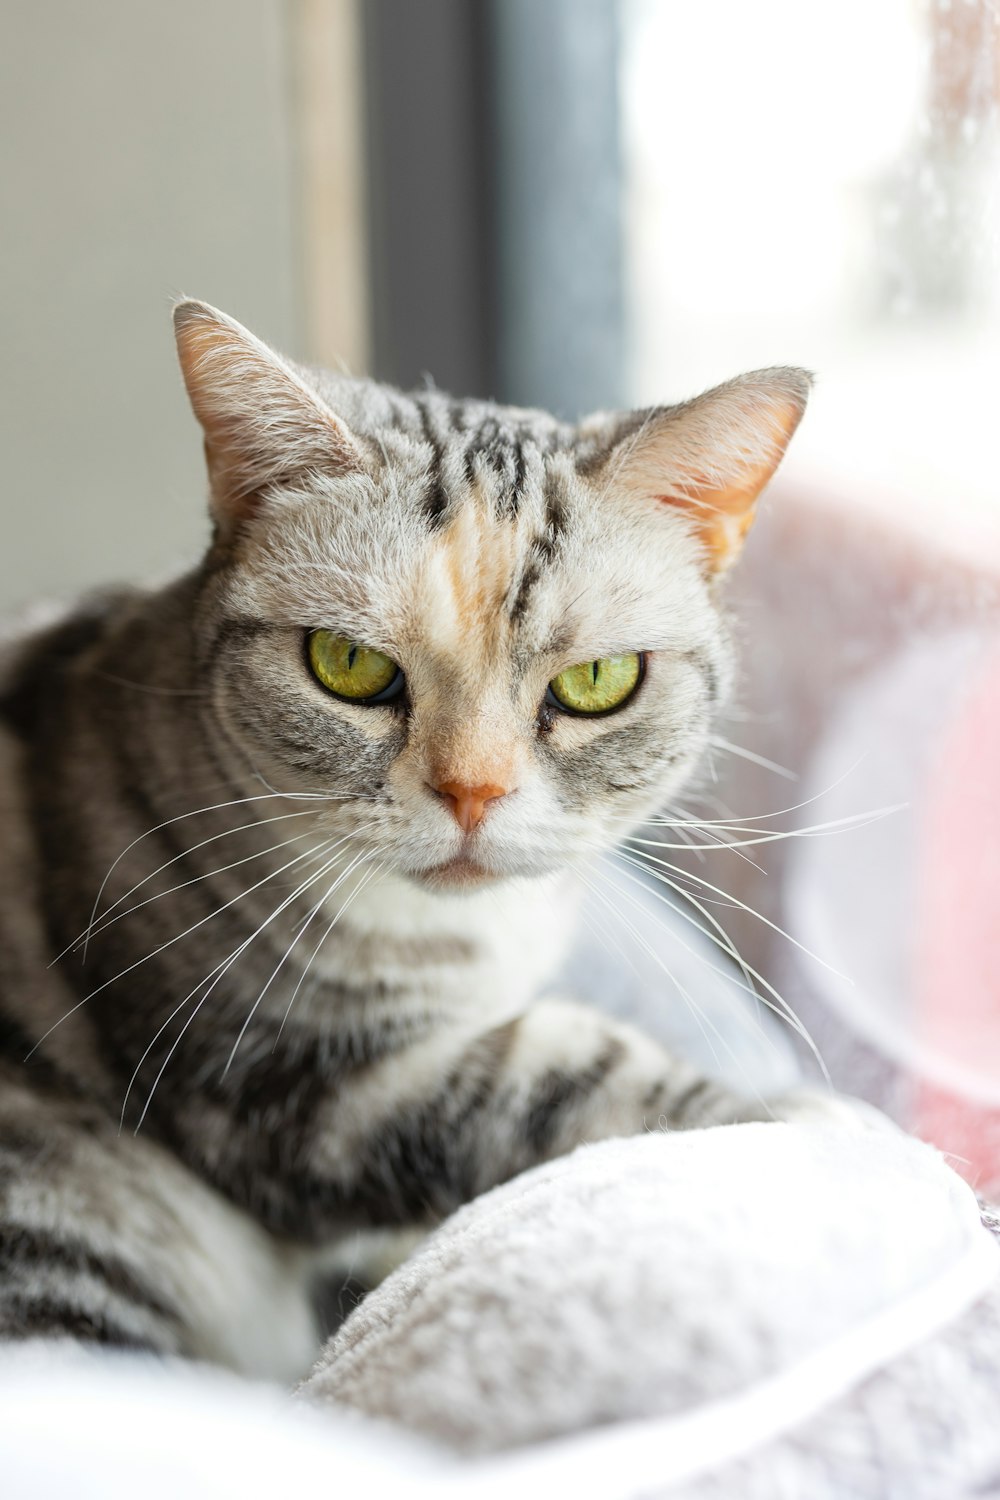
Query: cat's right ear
{"x":707,"y":459}
{"x":263,"y":424}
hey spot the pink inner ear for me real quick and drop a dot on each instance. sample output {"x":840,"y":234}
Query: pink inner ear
{"x":262,"y":423}
{"x":722,"y":517}
{"x":723,"y":512}
{"x":957,"y":936}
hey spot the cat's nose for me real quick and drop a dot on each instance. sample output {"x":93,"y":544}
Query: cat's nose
{"x":468,"y":803}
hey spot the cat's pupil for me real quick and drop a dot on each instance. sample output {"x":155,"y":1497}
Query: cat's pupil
{"x":352,"y":653}
{"x":595,"y":667}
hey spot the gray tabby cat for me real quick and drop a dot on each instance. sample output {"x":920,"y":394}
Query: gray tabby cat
{"x":330,"y":791}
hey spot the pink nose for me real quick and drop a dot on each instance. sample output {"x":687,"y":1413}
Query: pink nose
{"x":468,"y":803}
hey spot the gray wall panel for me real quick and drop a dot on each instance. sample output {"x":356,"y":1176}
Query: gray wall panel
{"x":145,"y":150}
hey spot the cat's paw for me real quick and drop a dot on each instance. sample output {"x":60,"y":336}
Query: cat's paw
{"x":826,"y":1107}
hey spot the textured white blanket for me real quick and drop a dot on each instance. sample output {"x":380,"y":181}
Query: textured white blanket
{"x":744,"y":1312}
{"x":727,"y":1284}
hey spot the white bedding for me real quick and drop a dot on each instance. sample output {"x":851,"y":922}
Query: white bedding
{"x":679,"y":1314}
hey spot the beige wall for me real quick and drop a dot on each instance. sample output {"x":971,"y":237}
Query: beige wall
{"x":146,"y":149}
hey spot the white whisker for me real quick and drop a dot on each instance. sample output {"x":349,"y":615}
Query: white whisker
{"x":775,"y":836}
{"x":719,"y":743}
{"x":217,"y":911}
{"x":368,"y":875}
{"x":180,"y":818}
{"x":695,"y":1009}
{"x":218,"y":973}
{"x":107,"y":920}
{"x":663,"y":864}
{"x":721,"y":939}
{"x":358,"y":859}
{"x":214,"y":974}
{"x":781,"y":812}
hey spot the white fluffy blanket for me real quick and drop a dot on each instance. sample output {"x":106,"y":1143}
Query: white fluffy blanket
{"x":753,"y":1311}
{"x":725,"y":1285}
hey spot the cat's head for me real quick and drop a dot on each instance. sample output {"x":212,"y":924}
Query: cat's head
{"x":497,"y":638}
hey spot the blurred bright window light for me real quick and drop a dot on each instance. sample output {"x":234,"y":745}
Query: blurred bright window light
{"x":820,"y":185}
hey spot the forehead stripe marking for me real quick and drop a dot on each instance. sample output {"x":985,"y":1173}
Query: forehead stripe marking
{"x":435,"y":496}
{"x":528,"y":579}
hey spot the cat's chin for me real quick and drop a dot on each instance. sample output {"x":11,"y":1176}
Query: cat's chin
{"x":459,"y":874}
{"x":466,"y":873}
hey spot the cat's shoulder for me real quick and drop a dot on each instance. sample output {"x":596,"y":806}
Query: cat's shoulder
{"x":47,"y":632}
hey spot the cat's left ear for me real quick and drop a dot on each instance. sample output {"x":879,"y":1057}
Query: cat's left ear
{"x":709,"y":458}
{"x":263,"y":423}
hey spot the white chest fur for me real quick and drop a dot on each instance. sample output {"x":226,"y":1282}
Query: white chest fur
{"x":505,"y":940}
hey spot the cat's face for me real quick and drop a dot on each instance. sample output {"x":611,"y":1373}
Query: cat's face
{"x":406,"y":585}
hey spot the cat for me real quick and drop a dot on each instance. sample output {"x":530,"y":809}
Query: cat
{"x":331,"y":791}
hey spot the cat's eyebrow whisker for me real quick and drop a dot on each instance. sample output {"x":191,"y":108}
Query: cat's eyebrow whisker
{"x":220,"y":970}
{"x":721,"y":938}
{"x":623,"y":452}
{"x":362,"y":883}
{"x":358,"y":859}
{"x":217,"y":911}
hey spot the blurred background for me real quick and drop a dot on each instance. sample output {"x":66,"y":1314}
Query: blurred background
{"x":581,"y":204}
{"x":574,"y":203}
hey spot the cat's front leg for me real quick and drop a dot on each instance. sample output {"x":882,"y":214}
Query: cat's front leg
{"x":460,"y":1112}
{"x":582,"y":1076}
{"x":577,"y":1075}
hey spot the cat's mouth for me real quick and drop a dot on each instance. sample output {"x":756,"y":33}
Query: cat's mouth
{"x":460,"y":873}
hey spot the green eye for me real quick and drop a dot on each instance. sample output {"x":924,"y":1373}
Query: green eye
{"x":353,"y":671}
{"x":597,"y":687}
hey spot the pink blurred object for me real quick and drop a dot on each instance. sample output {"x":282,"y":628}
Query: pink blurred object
{"x":872,"y":670}
{"x":957,"y":936}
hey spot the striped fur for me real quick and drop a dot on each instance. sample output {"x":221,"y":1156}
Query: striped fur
{"x":305,"y":1005}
